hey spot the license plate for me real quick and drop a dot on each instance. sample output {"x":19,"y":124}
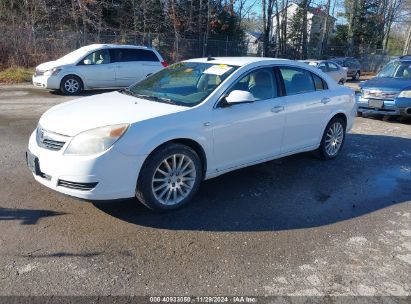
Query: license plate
{"x":33,"y":163}
{"x":376,"y":103}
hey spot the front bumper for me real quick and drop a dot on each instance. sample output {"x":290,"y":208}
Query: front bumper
{"x":47,"y":82}
{"x":398,"y":106}
{"x":110,"y":175}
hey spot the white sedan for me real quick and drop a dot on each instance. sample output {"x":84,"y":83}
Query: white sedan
{"x":195,"y":120}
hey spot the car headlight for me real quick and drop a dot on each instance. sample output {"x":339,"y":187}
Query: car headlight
{"x":95,"y":140}
{"x":52,"y":72}
{"x":406,"y":94}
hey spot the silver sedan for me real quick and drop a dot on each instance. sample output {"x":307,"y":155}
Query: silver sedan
{"x":337,"y":72}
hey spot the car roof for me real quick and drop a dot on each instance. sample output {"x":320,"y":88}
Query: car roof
{"x":238,"y":61}
{"x":313,"y":60}
{"x":114,"y":46}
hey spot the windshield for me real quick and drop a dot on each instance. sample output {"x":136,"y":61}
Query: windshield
{"x":184,"y":83}
{"x":75,"y":55}
{"x":396,"y":69}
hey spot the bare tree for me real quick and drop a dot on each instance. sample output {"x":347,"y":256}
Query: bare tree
{"x":267,"y":7}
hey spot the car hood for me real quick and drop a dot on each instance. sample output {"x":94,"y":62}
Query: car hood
{"x":73,"y":117}
{"x":387,"y":83}
{"x":54,"y":64}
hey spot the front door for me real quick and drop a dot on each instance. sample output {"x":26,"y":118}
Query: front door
{"x":335,"y":72}
{"x":249,"y":132}
{"x":97,"y":70}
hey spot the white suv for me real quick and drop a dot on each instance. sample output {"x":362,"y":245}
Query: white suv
{"x":98,"y":66}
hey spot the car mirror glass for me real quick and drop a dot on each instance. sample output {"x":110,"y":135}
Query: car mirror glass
{"x":87,"y":61}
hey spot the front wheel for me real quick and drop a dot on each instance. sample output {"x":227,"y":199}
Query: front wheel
{"x":333,"y":139}
{"x":170,"y":178}
{"x":71,"y":85}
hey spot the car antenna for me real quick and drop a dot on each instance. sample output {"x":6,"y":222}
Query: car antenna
{"x":210,"y":58}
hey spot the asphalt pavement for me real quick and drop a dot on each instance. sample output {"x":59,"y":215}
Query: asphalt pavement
{"x":293,"y":226}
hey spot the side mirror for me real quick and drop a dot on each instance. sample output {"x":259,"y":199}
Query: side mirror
{"x":238,"y":96}
{"x":87,"y":61}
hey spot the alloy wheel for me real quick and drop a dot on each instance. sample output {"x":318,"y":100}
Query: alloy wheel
{"x":173,"y":179}
{"x":71,"y":85}
{"x":334,"y":138}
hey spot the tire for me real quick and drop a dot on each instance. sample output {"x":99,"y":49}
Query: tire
{"x":162,"y":188}
{"x":357,"y":75}
{"x":326,"y":150}
{"x":71,"y":85}
{"x":341,"y":82}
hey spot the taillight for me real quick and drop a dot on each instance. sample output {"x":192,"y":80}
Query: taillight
{"x":164,"y":63}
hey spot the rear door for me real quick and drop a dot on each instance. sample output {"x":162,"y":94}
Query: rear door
{"x":133,"y":65}
{"x":306,"y":99}
{"x":150,"y":61}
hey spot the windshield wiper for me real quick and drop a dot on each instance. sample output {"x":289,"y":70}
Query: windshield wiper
{"x":143,"y":96}
{"x":156,"y":98}
{"x":126,"y":91}
{"x":167,"y":100}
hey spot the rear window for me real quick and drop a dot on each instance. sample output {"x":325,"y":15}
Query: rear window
{"x":319,"y":83}
{"x":297,"y":81}
{"x":126,"y":55}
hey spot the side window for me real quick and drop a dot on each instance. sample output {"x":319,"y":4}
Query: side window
{"x":319,"y":83}
{"x":147,"y":55}
{"x":117,"y":55}
{"x":323,"y":67}
{"x":97,"y":57}
{"x":296,"y":80}
{"x":333,"y":67}
{"x":126,"y":55}
{"x":261,"y":83}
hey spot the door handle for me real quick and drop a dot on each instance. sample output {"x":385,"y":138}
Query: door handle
{"x":277,"y":109}
{"x":325,"y":100}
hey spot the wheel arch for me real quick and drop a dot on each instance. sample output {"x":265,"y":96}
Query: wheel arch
{"x":196,"y":146}
{"x":331,"y":117}
{"x":341,"y":115}
{"x":73,"y":74}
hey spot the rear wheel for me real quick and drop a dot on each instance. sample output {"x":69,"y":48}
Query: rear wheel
{"x":71,"y":85}
{"x":341,"y":82}
{"x":333,"y":139}
{"x":170,"y":178}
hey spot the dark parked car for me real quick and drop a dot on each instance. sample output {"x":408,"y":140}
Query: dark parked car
{"x":389,"y":93}
{"x":353,"y":66}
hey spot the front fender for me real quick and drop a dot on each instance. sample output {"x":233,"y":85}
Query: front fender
{"x":144,"y":137}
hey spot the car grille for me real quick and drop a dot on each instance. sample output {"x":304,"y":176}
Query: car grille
{"x":386,"y":95}
{"x":76,"y":186}
{"x":50,"y":140}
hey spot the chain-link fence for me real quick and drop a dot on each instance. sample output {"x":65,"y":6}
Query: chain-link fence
{"x":24,"y":47}
{"x":28,"y":48}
